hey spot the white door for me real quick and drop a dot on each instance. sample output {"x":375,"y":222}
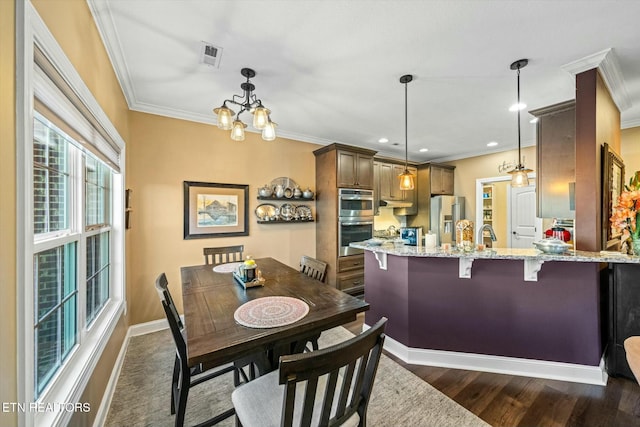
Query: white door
{"x":525,"y":227}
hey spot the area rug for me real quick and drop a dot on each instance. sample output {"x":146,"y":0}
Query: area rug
{"x":142,"y":395}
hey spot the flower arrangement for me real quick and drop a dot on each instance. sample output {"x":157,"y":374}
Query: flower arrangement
{"x":626,"y":214}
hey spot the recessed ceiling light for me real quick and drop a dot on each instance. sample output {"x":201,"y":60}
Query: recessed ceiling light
{"x":383,"y":140}
{"x":492,"y":144}
{"x":516,"y":107}
{"x":534,"y":120}
{"x":423,"y":150}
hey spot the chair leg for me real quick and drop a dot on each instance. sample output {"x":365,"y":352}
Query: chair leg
{"x":183,"y":392}
{"x":174,"y":384}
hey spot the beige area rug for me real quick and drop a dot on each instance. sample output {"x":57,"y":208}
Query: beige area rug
{"x":142,"y":395}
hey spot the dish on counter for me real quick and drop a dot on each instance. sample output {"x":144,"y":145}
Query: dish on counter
{"x":265,"y":210}
{"x":374,"y":242}
{"x":552,"y":246}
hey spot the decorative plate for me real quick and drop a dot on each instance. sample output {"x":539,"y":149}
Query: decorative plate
{"x":265,"y":210}
{"x":287,"y":211}
{"x":286,"y":182}
{"x":271,"y":312}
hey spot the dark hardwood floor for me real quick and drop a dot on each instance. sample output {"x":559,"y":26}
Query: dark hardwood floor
{"x":505,"y":400}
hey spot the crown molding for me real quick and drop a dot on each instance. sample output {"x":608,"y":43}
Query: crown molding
{"x":626,"y":124}
{"x":606,"y":62}
{"x":109,"y":35}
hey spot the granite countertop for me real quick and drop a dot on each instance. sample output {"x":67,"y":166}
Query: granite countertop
{"x":499,"y":253}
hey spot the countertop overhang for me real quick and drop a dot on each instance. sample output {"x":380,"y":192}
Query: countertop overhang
{"x":533,"y":258}
{"x":499,"y":253}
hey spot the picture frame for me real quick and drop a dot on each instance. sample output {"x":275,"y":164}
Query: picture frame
{"x":612,"y":187}
{"x":215,"y":210}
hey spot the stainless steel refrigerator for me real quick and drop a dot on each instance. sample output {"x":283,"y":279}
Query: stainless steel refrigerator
{"x":445,"y":212}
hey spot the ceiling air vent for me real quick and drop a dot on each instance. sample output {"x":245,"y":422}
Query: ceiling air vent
{"x":210,"y":54}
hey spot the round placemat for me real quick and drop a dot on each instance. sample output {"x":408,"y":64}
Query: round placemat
{"x":270,"y":312}
{"x":227,"y":268}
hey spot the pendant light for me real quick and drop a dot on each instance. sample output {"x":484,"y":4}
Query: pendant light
{"x":519,"y":176}
{"x":406,"y":177}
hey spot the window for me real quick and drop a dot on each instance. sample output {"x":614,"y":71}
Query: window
{"x":56,"y":194}
{"x":71,"y":258}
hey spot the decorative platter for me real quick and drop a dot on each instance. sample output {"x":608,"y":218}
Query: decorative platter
{"x":229,"y":267}
{"x":265,"y":210}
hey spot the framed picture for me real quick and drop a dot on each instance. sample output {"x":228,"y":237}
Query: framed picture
{"x":215,"y":210}
{"x":612,"y":187}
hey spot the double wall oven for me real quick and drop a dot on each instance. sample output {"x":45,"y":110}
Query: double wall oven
{"x":355,"y":219}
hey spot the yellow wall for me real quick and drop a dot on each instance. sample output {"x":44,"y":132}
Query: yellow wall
{"x":8,"y":338}
{"x":166,"y":152}
{"x":72,"y":25}
{"x":472,"y":168}
{"x":630,"y":151}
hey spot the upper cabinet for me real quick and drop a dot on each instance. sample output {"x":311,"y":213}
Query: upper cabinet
{"x":556,"y":160}
{"x":355,"y":169}
{"x":387,"y":187}
{"x":441,"y":180}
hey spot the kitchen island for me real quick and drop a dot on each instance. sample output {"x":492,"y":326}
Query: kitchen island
{"x":514,"y":311}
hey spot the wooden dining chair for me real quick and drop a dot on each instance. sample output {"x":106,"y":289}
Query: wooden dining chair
{"x":632,"y":351}
{"x":313,"y":268}
{"x":223,"y":254}
{"x":328,"y":387}
{"x":183,"y":377}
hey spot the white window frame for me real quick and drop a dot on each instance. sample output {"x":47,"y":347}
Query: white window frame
{"x":72,"y":379}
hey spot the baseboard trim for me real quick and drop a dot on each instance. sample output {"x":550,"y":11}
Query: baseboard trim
{"x":132,"y":331}
{"x":499,"y":364}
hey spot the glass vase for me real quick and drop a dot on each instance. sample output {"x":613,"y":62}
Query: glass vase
{"x":635,"y":246}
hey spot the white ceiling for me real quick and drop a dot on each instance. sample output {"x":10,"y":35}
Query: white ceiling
{"x":329,"y":70}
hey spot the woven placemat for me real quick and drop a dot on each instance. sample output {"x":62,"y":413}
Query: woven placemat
{"x":270,"y":312}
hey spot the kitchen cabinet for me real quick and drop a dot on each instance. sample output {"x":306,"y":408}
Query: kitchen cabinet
{"x":387,"y":186}
{"x":441,"y":180}
{"x":624,"y":316}
{"x":555,"y":160}
{"x":339,"y":166}
{"x":350,"y":277}
{"x":355,"y":169}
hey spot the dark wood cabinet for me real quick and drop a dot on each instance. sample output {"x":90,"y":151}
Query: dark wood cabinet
{"x":338,"y":166}
{"x":354,"y":169}
{"x":555,"y":160}
{"x":350,"y":275}
{"x":623,"y":316}
{"x":387,"y":186}
{"x":441,"y":180}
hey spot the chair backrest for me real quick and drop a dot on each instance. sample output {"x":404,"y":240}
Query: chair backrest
{"x":222,"y":255}
{"x":313,"y":267}
{"x":173,"y":317}
{"x":351,"y":367}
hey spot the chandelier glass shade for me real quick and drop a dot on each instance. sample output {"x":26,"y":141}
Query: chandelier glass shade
{"x":247,"y":102}
{"x":519,"y":174}
{"x":406,"y":177}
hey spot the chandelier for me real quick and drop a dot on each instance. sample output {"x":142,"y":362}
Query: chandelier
{"x":247,"y":102}
{"x":519,"y":173}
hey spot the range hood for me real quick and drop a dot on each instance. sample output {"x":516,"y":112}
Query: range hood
{"x":396,"y":203}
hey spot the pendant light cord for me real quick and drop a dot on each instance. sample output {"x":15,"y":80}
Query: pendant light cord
{"x":406,"y":131}
{"x":520,"y":165}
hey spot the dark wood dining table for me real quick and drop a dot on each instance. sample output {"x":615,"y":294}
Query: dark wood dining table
{"x":210,"y":299}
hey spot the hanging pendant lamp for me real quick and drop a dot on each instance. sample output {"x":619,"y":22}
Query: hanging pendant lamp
{"x":406,"y":177}
{"x":519,"y":174}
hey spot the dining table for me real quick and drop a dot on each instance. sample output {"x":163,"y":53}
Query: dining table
{"x":211,"y":298}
